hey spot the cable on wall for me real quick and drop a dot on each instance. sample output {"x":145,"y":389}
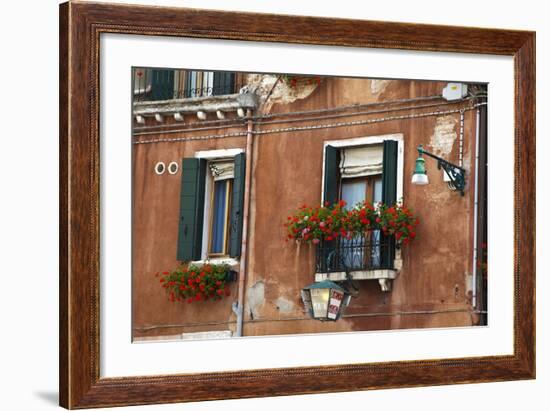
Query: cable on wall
{"x":312,"y":127}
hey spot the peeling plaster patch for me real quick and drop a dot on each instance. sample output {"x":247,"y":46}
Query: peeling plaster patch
{"x":284,"y":305}
{"x":267,"y":85}
{"x":444,"y":135}
{"x":378,"y":86}
{"x":256,"y":298}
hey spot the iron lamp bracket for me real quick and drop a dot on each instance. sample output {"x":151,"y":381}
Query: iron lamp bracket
{"x":455,"y":173}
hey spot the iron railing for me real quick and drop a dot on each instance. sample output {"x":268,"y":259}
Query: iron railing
{"x":370,"y":251}
{"x":168,"y":84}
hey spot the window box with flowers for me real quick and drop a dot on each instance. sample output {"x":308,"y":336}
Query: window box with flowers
{"x":194,"y":283}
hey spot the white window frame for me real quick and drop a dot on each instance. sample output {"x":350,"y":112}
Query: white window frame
{"x":365,"y":141}
{"x":211,"y":155}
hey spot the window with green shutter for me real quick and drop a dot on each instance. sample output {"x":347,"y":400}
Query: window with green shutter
{"x":389,"y":173}
{"x":162,"y":84}
{"x":329,"y":250}
{"x":330,"y":189}
{"x":355,"y":174}
{"x":211,"y":208}
{"x":193,"y":177}
{"x":389,"y":194}
{"x":236,"y":224}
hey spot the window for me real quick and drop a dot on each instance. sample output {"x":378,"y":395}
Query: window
{"x":142,"y":82}
{"x":195,"y":83}
{"x":361,"y":170}
{"x":364,"y":169}
{"x":211,"y":201}
{"x":153,"y":84}
{"x":218,"y":212}
{"x":353,"y":191}
{"x":167,"y":84}
{"x":204,"y":83}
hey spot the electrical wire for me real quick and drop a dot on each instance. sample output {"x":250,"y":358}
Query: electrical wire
{"x":318,"y":111}
{"x":312,"y":127}
{"x":259,"y":320}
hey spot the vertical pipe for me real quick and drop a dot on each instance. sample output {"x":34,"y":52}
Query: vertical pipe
{"x":476,"y":201}
{"x":482,"y":212}
{"x":246,"y":208}
{"x":461,"y":139}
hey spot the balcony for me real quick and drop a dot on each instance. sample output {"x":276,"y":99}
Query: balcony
{"x":168,"y":84}
{"x":366,"y":257}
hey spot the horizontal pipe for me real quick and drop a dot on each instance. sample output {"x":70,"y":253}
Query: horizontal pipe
{"x":325,"y":117}
{"x":259,"y":320}
{"x":305,"y":128}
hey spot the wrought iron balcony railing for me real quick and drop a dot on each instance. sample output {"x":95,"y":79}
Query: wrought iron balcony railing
{"x":371,"y":251}
{"x":167,"y":84}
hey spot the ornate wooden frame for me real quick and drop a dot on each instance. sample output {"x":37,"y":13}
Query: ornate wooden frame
{"x":80,"y":27}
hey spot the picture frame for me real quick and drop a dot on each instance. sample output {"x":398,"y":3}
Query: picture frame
{"x":81,"y":25}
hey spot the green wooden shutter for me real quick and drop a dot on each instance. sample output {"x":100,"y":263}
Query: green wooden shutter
{"x":327,"y":250}
{"x":162,"y":84}
{"x":224,"y":83}
{"x":237,"y":206}
{"x":389,"y":183}
{"x":191,"y":209}
{"x":330,"y":191}
{"x":389,"y":196}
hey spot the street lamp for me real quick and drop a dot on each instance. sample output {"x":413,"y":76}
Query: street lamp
{"x":325,"y":300}
{"x":453,"y":172}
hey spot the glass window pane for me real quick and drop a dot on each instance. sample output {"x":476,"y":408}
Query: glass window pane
{"x":355,"y":251}
{"x":219,"y":204}
{"x":353,"y":192}
{"x":377,"y":191}
{"x":208,"y":83}
{"x":193,"y":84}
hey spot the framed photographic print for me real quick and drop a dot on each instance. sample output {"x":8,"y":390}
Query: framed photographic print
{"x":257,"y":205}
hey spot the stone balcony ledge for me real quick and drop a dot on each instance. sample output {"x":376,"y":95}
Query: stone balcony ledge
{"x":226,"y":103}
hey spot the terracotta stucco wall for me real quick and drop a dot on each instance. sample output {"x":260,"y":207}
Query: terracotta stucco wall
{"x":287,"y":172}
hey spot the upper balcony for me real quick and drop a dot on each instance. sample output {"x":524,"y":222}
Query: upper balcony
{"x":160,"y":94}
{"x":169,"y":84}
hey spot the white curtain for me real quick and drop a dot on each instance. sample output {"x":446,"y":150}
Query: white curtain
{"x":361,"y":161}
{"x":222,"y":170}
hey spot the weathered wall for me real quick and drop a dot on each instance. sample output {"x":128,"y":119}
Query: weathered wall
{"x":287,"y":173}
{"x":154,"y":239}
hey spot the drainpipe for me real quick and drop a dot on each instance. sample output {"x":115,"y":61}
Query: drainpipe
{"x":476,"y":205}
{"x":239,"y":308}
